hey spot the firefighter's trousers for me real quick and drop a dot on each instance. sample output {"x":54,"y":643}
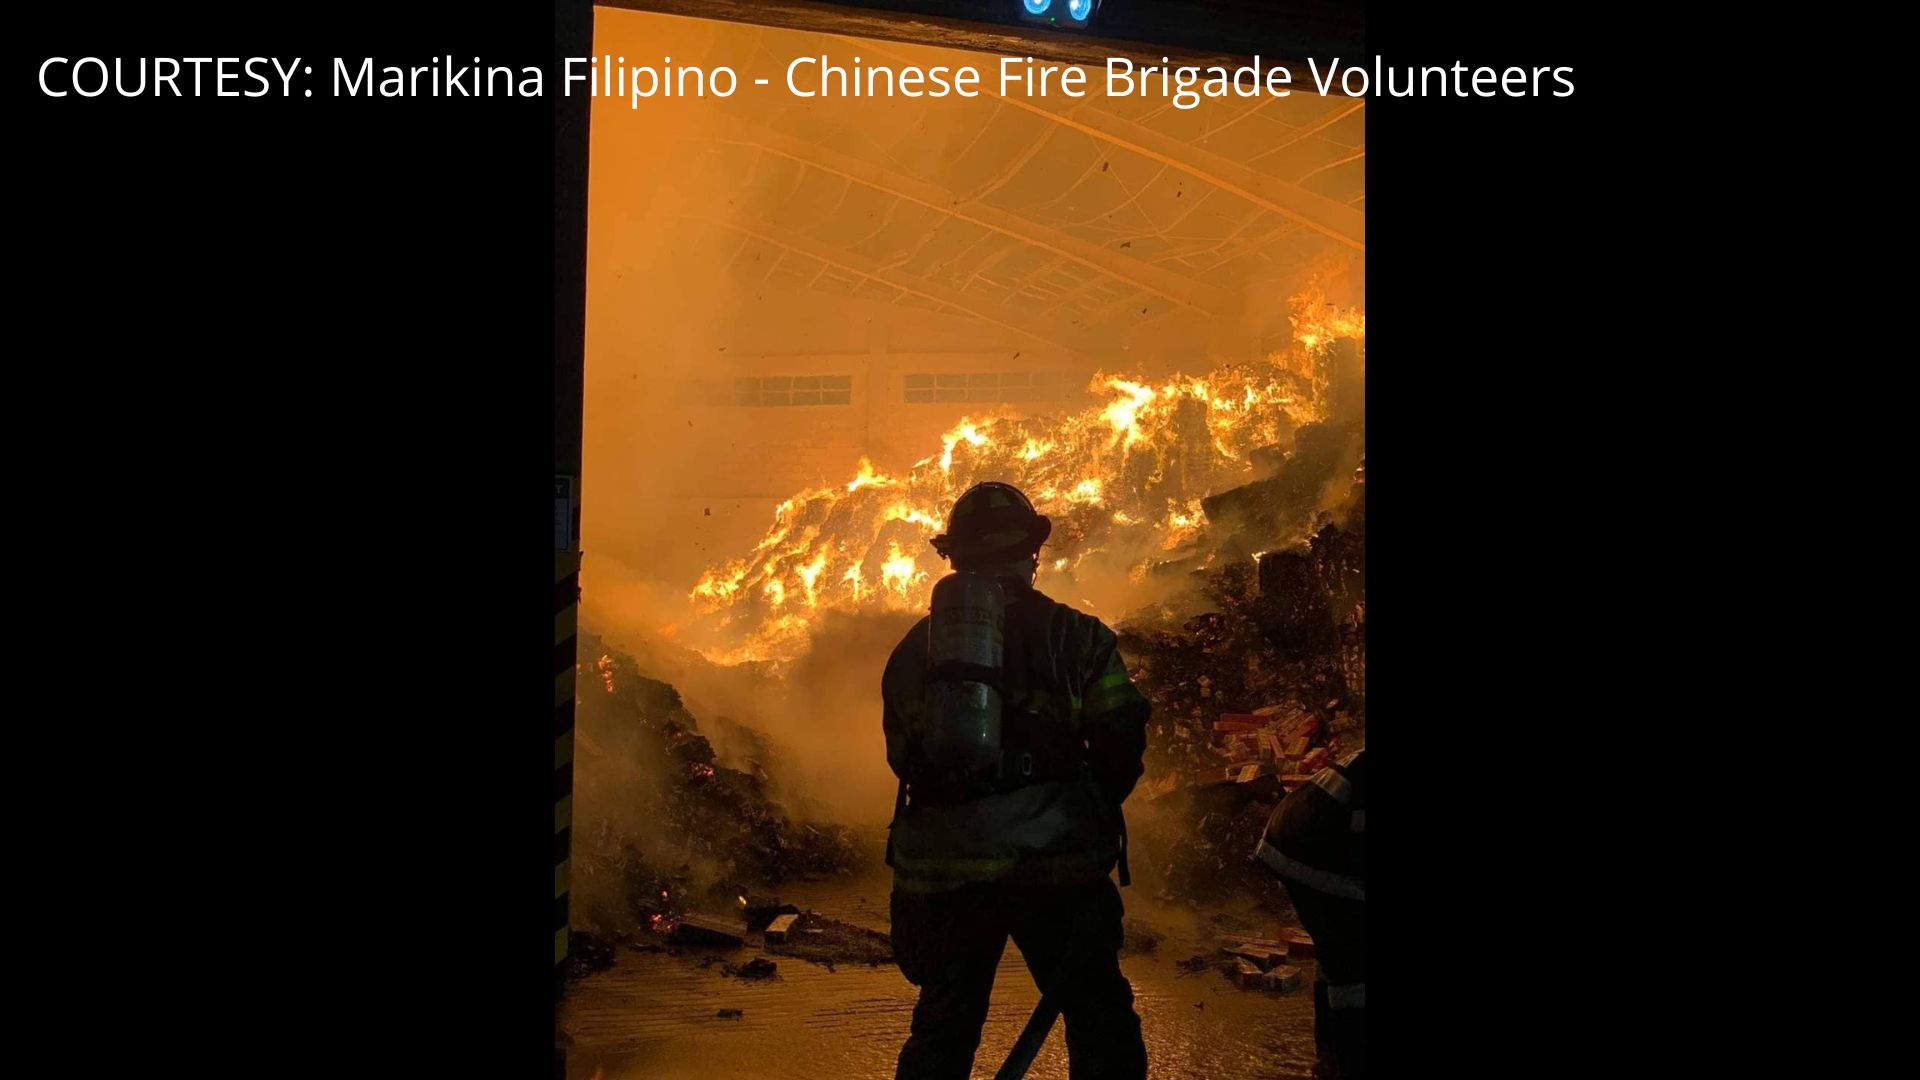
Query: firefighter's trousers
{"x":1338,"y":927}
{"x":949,"y":944}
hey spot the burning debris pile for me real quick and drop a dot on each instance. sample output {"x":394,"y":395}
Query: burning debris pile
{"x":1267,"y":683}
{"x":664,"y":830}
{"x":1128,"y":482}
{"x":1220,"y":519}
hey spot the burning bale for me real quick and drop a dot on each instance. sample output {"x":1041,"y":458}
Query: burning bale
{"x":1220,"y":516}
{"x":1124,"y":481}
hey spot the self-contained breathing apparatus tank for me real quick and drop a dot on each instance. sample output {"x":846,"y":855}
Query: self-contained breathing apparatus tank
{"x":966,"y":652}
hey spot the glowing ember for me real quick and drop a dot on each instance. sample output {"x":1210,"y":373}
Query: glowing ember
{"x":1123,"y":479}
{"x":604,"y":666}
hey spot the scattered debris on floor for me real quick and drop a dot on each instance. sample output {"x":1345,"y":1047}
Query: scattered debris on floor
{"x":676,"y":833}
{"x":1249,"y":976}
{"x":763,"y":912}
{"x":1195,"y":964}
{"x":1260,"y":964}
{"x":1139,"y":938}
{"x":1264,"y":955}
{"x":587,"y":953}
{"x":695,"y":928}
{"x":1285,"y":977}
{"x":758,"y":968}
{"x":1254,"y":661}
{"x":780,"y":927}
{"x":819,"y":940}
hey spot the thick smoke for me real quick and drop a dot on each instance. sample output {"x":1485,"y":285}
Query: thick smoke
{"x":664,"y":822}
{"x":677,"y":293}
{"x":816,"y":720}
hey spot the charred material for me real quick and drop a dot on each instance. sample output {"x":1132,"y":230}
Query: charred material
{"x":1265,"y":506}
{"x":1253,"y":695}
{"x":1293,"y":612}
{"x":696,"y":928}
{"x":755,"y":969}
{"x":587,"y":953}
{"x":819,"y":940}
{"x":666,"y":830}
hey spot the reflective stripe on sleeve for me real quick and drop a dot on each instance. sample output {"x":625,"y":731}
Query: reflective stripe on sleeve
{"x":1330,"y":781}
{"x":1325,"y":881}
{"x":1110,"y":692}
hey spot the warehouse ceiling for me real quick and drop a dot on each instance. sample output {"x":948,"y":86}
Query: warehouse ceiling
{"x":1070,"y":223}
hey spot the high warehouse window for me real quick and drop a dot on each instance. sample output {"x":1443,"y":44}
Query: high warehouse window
{"x":774,"y":390}
{"x":1002,"y":386}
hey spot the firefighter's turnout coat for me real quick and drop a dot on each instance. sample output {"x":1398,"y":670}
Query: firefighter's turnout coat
{"x":1073,"y":732}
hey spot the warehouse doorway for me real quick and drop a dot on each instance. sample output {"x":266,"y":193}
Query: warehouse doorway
{"x":809,"y":324}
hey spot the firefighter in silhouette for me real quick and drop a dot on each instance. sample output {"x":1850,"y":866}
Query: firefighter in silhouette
{"x":1016,"y":734}
{"x":1316,"y":841}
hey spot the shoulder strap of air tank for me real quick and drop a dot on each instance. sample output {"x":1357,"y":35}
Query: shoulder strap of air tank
{"x":1017,"y":679}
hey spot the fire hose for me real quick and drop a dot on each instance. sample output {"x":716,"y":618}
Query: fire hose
{"x":1040,"y":1024}
{"x":1032,"y":1037}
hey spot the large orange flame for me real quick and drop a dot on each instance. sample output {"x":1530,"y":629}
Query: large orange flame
{"x":1123,"y":477}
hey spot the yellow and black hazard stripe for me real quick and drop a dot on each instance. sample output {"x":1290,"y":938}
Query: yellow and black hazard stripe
{"x":573,"y":36}
{"x":566,"y":603}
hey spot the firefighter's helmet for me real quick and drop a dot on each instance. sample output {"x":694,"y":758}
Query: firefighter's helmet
{"x":992,"y":523}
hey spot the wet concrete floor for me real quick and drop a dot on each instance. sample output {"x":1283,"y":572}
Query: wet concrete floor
{"x":655,"y":1015}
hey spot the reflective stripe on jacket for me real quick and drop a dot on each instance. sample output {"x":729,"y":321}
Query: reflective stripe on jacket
{"x":1317,"y":835}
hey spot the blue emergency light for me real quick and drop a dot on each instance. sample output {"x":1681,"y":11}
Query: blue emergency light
{"x":1071,"y":14}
